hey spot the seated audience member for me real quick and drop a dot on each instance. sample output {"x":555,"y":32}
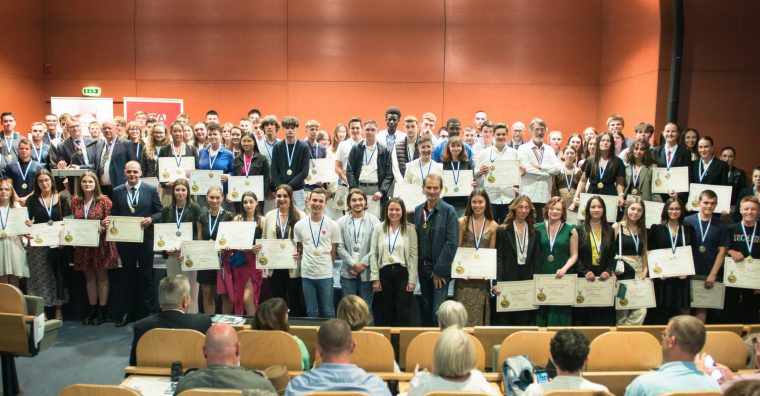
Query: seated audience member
{"x":569,"y":351}
{"x":451,"y":313}
{"x":174,"y":299}
{"x":681,"y":341}
{"x":354,"y":310}
{"x":743,"y":388}
{"x":454,"y":361}
{"x":729,"y":379}
{"x":223,"y":371}
{"x":272,"y":314}
{"x":336,"y":373}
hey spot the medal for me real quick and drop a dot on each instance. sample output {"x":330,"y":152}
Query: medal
{"x":580,"y":299}
{"x":476,"y":255}
{"x":732,"y":278}
{"x":521,"y":244}
{"x":357,"y":233}
{"x":391,"y":259}
{"x":635,"y":179}
{"x":313,"y":171}
{"x":282,"y":245}
{"x":749,"y":241}
{"x":522,"y":260}
{"x":283,"y":230}
{"x":456,"y":189}
{"x":657,"y":269}
{"x":424,"y":225}
{"x":263,"y":260}
{"x":568,"y":182}
{"x":3,"y":235}
{"x":634,"y":191}
{"x":749,"y":259}
{"x":24,"y":173}
{"x":541,"y":296}
{"x":48,"y":209}
{"x":235,"y":194}
{"x":455,"y":175}
{"x":188,"y":262}
{"x":316,"y":252}
{"x":308,"y":177}
{"x":550,"y":258}
{"x":39,"y":241}
{"x":319,"y":235}
{"x":504,"y":302}
{"x":459,"y":268}
{"x":195,"y":187}
{"x":114,"y":230}
{"x":340,"y":202}
{"x":355,"y":249}
{"x":478,"y":237}
{"x":132,"y":209}
{"x":105,"y":157}
{"x":289,"y":172}
{"x":600,"y":185}
{"x":702,"y":249}
{"x":491,"y":179}
{"x":290,"y":157}
{"x":24,"y":186}
{"x":178,"y":233}
{"x":133,"y":199}
{"x":492,"y":167}
{"x":667,"y":176}
{"x":50,"y":222}
{"x":247,"y":183}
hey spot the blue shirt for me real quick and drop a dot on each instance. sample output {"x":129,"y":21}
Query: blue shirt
{"x":673,"y":376}
{"x":337,"y":377}
{"x":441,"y":146}
{"x":223,"y":161}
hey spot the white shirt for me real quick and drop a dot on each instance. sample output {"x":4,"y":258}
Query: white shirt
{"x":563,"y":382}
{"x":344,"y":149}
{"x":368,"y":172}
{"x":266,"y":149}
{"x":498,"y":195}
{"x":535,"y":183}
{"x":383,"y":137}
{"x":313,"y":265}
{"x":416,"y":173}
{"x":397,"y":176}
{"x":425,"y":382}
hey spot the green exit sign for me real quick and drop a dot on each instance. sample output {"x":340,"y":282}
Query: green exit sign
{"x":91,"y":91}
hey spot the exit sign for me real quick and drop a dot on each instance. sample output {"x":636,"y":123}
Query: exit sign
{"x":91,"y":91}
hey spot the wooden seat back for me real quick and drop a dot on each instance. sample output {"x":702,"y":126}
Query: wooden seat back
{"x":307,"y":334}
{"x":421,"y":351}
{"x":210,"y":392}
{"x":495,"y":335}
{"x":728,"y":348}
{"x":373,"y":352}
{"x":11,"y":300}
{"x":162,"y":347}
{"x":15,"y":338}
{"x":590,"y":332}
{"x":624,"y":351}
{"x":97,"y":390}
{"x":534,"y":344}
{"x":260,"y":349}
{"x":577,"y":393}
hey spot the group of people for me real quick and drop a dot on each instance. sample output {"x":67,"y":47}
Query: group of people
{"x":382,"y":257}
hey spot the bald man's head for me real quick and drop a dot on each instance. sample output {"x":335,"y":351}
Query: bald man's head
{"x":222,"y":345}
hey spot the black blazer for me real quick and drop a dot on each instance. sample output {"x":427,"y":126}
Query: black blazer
{"x":67,"y":152}
{"x":384,"y":170}
{"x":607,"y":258}
{"x":682,"y":157}
{"x":168,"y":319}
{"x":507,"y":268}
{"x":123,"y":152}
{"x":716,"y":174}
{"x":259,"y":166}
{"x":148,"y":205}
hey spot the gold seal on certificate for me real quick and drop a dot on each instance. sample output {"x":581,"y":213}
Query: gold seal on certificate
{"x":673,"y":179}
{"x":724,"y":194}
{"x":667,"y":263}
{"x":580,"y":299}
{"x":541,"y":296}
{"x":639,"y":293}
{"x":742,"y":274}
{"x":79,"y":232}
{"x":168,"y":236}
{"x":202,"y":180}
{"x":238,"y":185}
{"x":552,"y":291}
{"x":46,"y":234}
{"x":515,"y":296}
{"x":504,"y":172}
{"x":599,"y":293}
{"x":276,"y":253}
{"x":125,"y":229}
{"x":199,"y":255}
{"x":474,"y":263}
{"x":171,"y":170}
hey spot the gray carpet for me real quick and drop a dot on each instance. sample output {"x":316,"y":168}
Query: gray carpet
{"x":80,"y":354}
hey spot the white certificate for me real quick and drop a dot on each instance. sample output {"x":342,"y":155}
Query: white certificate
{"x":664,"y":263}
{"x":237,"y":185}
{"x":742,"y":274}
{"x":45,"y":234}
{"x":664,"y":180}
{"x":503,"y":173}
{"x":594,"y":294}
{"x":125,"y":229}
{"x":169,"y":170}
{"x":639,"y":294}
{"x":202,"y":180}
{"x":17,"y":218}
{"x":168,"y":237}
{"x":549,"y":290}
{"x":515,"y":296}
{"x":462,"y":187}
{"x":151,"y":181}
{"x":572,"y":217}
{"x":653,"y":213}
{"x":702,"y":297}
{"x":723,"y":193}
{"x":235,"y":235}
{"x":340,"y":198}
{"x":373,"y":207}
{"x":474,"y":263}
{"x":199,"y":255}
{"x":411,"y":194}
{"x":610,"y":206}
{"x":79,"y":232}
{"x":276,"y":254}
{"x":321,"y":170}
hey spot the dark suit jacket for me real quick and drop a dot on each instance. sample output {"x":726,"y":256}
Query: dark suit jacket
{"x":123,"y":152}
{"x":682,"y":157}
{"x":148,"y":205}
{"x":717,"y":173}
{"x":445,"y":236}
{"x":507,"y":268}
{"x":168,"y":319}
{"x":13,"y":150}
{"x":384,"y":170}
{"x":67,"y":152}
{"x":606,"y":261}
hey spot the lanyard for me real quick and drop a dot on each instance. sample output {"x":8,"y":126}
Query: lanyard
{"x":109,"y":150}
{"x":247,"y":164}
{"x":86,"y":207}
{"x":212,"y":159}
{"x":702,"y":173}
{"x":674,"y":239}
{"x":269,"y":147}
{"x":491,"y":158}
{"x":549,"y":235}
{"x":568,"y":182}
{"x":522,"y":244}
{"x":705,"y":231}
{"x":390,"y":140}
{"x":49,"y":209}
{"x":395,"y":239}
{"x":635,"y":176}
{"x":178,"y":215}
{"x":597,"y":246}
{"x":749,"y":241}
{"x":668,"y":162}
{"x":319,"y":233}
{"x":133,"y":199}
{"x":456,"y":175}
{"x":536,"y":151}
{"x":422,"y":174}
{"x":83,"y":151}
{"x":290,"y":155}
{"x":283,"y":230}
{"x":9,"y":146}
{"x":367,"y":161}
{"x":602,"y":169}
{"x":478,"y":237}
{"x":357,"y":234}
{"x":38,"y":154}
{"x":212,"y":227}
{"x":4,"y":222}
{"x":178,"y":157}
{"x":137,"y":151}
{"x":635,"y":238}
{"x":24,"y":173}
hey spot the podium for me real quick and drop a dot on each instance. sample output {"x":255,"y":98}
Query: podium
{"x":75,"y":174}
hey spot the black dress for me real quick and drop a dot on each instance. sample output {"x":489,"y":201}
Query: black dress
{"x":48,"y":267}
{"x":508,"y":269}
{"x":450,"y":168}
{"x":613,"y":169}
{"x":595,"y":316}
{"x":208,"y":277}
{"x":671,"y":294}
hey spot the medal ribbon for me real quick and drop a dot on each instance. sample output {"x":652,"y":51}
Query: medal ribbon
{"x":749,"y":241}
{"x":549,"y":235}
{"x":635,"y":238}
{"x":456,"y":175}
{"x":109,"y":149}
{"x":395,"y":239}
{"x":133,"y":199}
{"x":422,"y":174}
{"x":212,"y":227}
{"x":635,"y":176}
{"x":289,"y":154}
{"x":597,"y":246}
{"x":38,"y":154}
{"x":247,"y":164}
{"x":23,"y":173}
{"x":478,"y":237}
{"x":269,"y":147}
{"x":524,"y":243}
{"x":367,"y":161}
{"x":705,"y":231}
{"x":4,"y":223}
{"x":674,"y":240}
{"x":212,"y":159}
{"x":283,"y":230}
{"x":49,"y":210}
{"x":357,"y":232}
{"x":178,"y":215}
{"x":536,"y":152}
{"x":669,"y":161}
{"x":602,"y":170}
{"x":702,"y":173}
{"x":9,"y":146}
{"x":568,"y":182}
{"x":178,"y":157}
{"x":137,"y":151}
{"x":86,"y":208}
{"x":319,"y":233}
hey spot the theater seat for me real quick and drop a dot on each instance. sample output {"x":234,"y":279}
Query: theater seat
{"x":97,"y":390}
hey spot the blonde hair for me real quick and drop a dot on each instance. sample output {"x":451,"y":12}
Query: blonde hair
{"x":355,"y":311}
{"x":451,"y":313}
{"x":454,"y":354}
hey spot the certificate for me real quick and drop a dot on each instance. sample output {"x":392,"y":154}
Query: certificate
{"x":503,"y":173}
{"x":653,"y":213}
{"x":202,"y":180}
{"x":599,"y":293}
{"x":276,"y":254}
{"x":548,"y":290}
{"x":515,"y":296}
{"x":169,"y":170}
{"x":610,"y":206}
{"x":151,"y":181}
{"x":723,"y":193}
{"x":411,"y":194}
{"x":373,"y":207}
{"x":125,"y":229}
{"x":17,"y":218}
{"x":168,"y":237}
{"x":340,"y":198}
{"x":702,"y":297}
{"x":45,"y":234}
{"x":572,"y":217}
{"x":664,"y":263}
{"x":237,"y":185}
{"x":474,"y":263}
{"x":461,"y":187}
{"x":79,"y":232}
{"x":235,"y":235}
{"x":741,"y":274}
{"x":639,"y":294}
{"x":199,"y":255}
{"x":664,"y":180}
{"x":321,"y":170}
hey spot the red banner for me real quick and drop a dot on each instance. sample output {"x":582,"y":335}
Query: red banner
{"x":165,"y":110}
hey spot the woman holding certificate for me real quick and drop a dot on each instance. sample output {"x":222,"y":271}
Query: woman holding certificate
{"x":207,"y":226}
{"x":566,"y":181}
{"x":417,"y":170}
{"x":741,"y":304}
{"x":517,"y":250}
{"x":250,"y":162}
{"x":456,"y":161}
{"x":278,"y":224}
{"x":638,"y":174}
{"x":215,"y":157}
{"x":393,"y":264}
{"x":90,"y":204}
{"x":559,"y":252}
{"x":13,"y":258}
{"x":604,"y":171}
{"x":673,"y":295}
{"x":176,"y":149}
{"x":672,"y":154}
{"x":476,"y":230}
{"x":596,"y":253}
{"x":631,"y":255}
{"x":47,"y":264}
{"x":182,"y":209}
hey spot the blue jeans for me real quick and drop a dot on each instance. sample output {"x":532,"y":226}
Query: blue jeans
{"x":318,"y":294}
{"x":355,"y":286}
{"x":431,"y":298}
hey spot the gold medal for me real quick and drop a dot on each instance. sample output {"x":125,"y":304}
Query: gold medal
{"x":132,"y":209}
{"x":702,"y":249}
{"x":635,"y":191}
{"x":24,"y":186}
{"x":491,"y":179}
{"x":114,"y":231}
{"x":165,"y":174}
{"x":749,"y":259}
{"x":67,"y":238}
{"x":657,"y":269}
{"x":188,"y":263}
{"x":316,"y":252}
{"x":391,"y":259}
{"x":550,"y":258}
{"x":3,"y":234}
{"x":623,"y":302}
{"x":459,"y":269}
{"x":105,"y":157}
{"x":504,"y":303}
{"x":289,"y":172}
{"x":600,"y":185}
{"x":580,"y":299}
{"x":424,"y":225}
{"x":263,"y":260}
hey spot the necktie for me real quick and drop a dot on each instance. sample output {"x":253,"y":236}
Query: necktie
{"x":133,"y":190}
{"x":669,"y":154}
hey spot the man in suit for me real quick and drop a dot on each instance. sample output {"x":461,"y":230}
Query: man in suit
{"x":369,"y":167}
{"x":437,"y":237}
{"x":75,"y":152}
{"x":113,"y":154}
{"x":290,"y":161}
{"x":174,"y":299}
{"x":10,"y":137}
{"x":135,"y":297}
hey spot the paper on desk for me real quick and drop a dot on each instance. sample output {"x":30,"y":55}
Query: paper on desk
{"x":150,"y":386}
{"x":39,"y":329}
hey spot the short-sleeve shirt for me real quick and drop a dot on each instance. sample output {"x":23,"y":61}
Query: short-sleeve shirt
{"x":611,"y":173}
{"x":716,"y":238}
{"x":316,"y":262}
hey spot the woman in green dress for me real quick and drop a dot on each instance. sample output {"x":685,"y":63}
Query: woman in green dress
{"x":559,"y":252}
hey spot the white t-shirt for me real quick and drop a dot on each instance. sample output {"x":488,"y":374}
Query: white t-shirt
{"x":563,"y":382}
{"x":317,"y":262}
{"x":416,"y":173}
{"x":344,"y":149}
{"x":425,"y":382}
{"x":368,"y":173}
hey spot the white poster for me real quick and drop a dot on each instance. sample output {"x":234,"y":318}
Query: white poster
{"x":84,"y":109}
